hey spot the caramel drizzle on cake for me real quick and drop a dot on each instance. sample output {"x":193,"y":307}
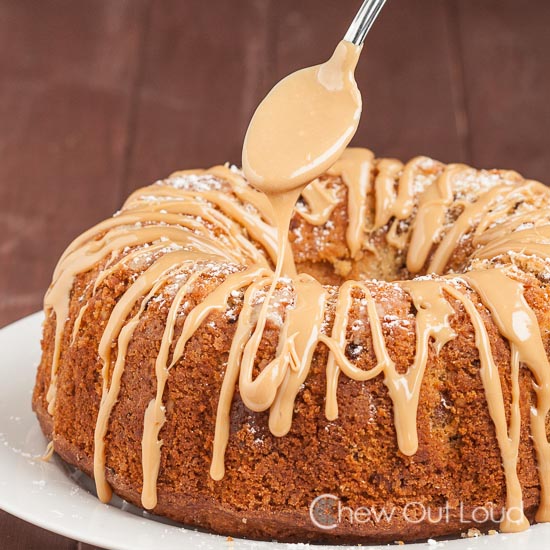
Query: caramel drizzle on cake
{"x":192,"y":223}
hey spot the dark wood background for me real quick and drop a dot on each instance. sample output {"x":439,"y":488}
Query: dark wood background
{"x":98,"y":97}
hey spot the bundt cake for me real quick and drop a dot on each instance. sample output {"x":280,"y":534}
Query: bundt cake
{"x":401,"y":386}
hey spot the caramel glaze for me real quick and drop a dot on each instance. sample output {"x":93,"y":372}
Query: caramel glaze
{"x":302,"y":126}
{"x":189,"y":224}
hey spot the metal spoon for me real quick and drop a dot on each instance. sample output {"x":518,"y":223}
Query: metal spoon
{"x":363,"y":21}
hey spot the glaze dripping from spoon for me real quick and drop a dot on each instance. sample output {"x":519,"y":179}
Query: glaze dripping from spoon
{"x":303,"y":126}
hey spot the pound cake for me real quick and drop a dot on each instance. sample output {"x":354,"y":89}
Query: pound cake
{"x":403,"y":372}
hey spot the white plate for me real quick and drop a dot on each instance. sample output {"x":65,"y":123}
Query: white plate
{"x":54,"y":497}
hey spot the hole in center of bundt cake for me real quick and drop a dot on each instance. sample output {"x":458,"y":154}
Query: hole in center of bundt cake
{"x":330,"y":263}
{"x":336,"y":272}
{"x":322,"y":252}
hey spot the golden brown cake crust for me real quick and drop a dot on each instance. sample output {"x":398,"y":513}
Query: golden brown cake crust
{"x":271,"y":481}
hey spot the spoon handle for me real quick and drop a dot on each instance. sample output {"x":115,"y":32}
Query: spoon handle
{"x":363,"y":21}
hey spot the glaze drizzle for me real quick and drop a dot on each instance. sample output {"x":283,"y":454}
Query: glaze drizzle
{"x":197,"y":220}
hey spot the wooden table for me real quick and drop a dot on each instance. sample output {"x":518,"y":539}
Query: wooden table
{"x":98,"y":97}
